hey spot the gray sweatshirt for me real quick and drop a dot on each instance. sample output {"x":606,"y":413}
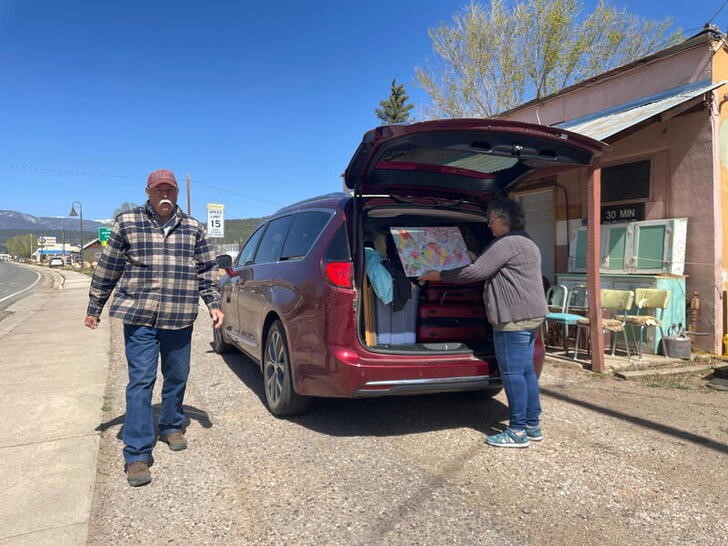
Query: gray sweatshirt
{"x":511,"y":269}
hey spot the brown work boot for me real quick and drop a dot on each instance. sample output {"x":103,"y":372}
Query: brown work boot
{"x":175,"y":440}
{"x":137,"y":473}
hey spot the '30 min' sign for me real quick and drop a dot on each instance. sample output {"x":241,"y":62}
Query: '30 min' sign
{"x":215,"y":220}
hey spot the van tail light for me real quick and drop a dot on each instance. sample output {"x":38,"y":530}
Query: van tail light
{"x":340,"y":273}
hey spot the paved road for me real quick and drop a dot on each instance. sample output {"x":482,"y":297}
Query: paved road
{"x":14,"y":281}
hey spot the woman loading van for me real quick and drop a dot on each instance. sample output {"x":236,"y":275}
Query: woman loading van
{"x":511,"y":268}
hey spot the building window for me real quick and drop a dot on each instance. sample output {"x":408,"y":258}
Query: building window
{"x":626,"y":182}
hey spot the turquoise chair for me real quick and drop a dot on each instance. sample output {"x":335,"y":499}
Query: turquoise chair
{"x":562,"y":299}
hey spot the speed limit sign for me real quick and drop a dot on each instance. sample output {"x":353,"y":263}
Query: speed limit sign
{"x":215,"y":220}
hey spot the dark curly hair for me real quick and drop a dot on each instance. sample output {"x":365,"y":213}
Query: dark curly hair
{"x":509,"y":210}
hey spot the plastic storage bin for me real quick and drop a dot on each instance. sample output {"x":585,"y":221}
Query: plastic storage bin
{"x":396,"y":327}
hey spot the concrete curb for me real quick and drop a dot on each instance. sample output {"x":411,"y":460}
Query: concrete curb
{"x":718,"y":384}
{"x":53,"y":373}
{"x":59,"y":279}
{"x":618,"y":364}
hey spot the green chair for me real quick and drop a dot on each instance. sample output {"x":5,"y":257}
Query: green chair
{"x":646,"y":299}
{"x":615,"y":304}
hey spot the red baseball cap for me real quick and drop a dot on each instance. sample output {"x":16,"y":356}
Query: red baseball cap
{"x":161,"y":176}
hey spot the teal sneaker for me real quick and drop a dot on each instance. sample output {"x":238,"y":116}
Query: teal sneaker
{"x":508,"y":438}
{"x":534,"y":433}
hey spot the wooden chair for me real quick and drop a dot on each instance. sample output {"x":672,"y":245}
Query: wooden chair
{"x":647,"y":298}
{"x":616,"y":304}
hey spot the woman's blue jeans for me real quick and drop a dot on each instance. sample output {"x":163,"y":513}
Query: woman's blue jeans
{"x":144,"y":346}
{"x":514,"y":352}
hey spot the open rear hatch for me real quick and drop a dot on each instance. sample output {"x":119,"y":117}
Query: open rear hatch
{"x":441,"y":174}
{"x":473,"y":158}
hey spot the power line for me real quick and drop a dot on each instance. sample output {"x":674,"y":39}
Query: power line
{"x":717,"y":12}
{"x":237,"y":193}
{"x":69,"y":171}
{"x":129,"y":177}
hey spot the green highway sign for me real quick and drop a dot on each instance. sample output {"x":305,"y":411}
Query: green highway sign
{"x":104,"y":233}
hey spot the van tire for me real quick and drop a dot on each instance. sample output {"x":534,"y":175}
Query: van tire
{"x":219,"y":345}
{"x":280,"y":397}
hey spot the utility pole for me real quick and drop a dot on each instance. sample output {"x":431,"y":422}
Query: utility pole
{"x":80,"y":215}
{"x":189,"y":207}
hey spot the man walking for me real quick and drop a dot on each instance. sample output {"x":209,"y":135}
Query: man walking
{"x":160,"y":262}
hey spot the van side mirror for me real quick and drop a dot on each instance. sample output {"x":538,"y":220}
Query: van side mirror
{"x":224,"y":261}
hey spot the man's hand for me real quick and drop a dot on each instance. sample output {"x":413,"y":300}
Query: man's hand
{"x":430,"y":275}
{"x":91,"y":322}
{"x":217,"y":317}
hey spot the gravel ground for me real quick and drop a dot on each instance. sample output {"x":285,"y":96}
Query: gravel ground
{"x":623,"y":462}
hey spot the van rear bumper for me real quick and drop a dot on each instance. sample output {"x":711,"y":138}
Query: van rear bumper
{"x":374,"y":389}
{"x":363,"y":374}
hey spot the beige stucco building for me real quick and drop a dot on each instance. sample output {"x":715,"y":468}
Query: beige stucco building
{"x":666,"y":119}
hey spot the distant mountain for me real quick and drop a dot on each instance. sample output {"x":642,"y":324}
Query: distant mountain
{"x":14,"y":223}
{"x":10,"y":219}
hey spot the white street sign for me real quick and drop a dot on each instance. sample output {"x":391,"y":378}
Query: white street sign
{"x":215,"y":220}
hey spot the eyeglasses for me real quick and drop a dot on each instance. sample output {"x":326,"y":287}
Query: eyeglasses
{"x":489,"y":221}
{"x":160,"y":190}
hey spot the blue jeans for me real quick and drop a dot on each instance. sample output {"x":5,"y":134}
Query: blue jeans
{"x":514,"y":352}
{"x":144,"y":345}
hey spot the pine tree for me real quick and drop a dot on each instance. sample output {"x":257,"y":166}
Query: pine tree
{"x":394,"y":109}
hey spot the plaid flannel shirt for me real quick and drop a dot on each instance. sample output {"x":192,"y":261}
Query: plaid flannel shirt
{"x":158,"y":278}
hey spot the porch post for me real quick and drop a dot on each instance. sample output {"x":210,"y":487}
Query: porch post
{"x":593,"y":254}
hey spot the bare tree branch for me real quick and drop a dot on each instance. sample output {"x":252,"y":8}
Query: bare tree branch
{"x":491,"y":60}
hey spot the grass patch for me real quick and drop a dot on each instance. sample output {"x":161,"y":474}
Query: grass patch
{"x":695,"y":381}
{"x":666,"y":382}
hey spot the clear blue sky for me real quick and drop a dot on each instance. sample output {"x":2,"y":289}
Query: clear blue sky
{"x":261,"y":102}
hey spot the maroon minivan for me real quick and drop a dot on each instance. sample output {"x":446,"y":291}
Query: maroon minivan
{"x":298,"y":300}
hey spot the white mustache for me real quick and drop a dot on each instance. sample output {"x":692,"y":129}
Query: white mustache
{"x":166,"y":202}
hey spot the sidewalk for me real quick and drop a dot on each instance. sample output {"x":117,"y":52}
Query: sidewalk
{"x":53,"y":372}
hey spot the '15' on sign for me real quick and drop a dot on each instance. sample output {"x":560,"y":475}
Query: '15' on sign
{"x":215,"y":220}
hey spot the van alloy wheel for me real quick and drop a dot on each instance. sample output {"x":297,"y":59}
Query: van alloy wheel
{"x":219,"y":345}
{"x":276,"y":361}
{"x":280,"y":396}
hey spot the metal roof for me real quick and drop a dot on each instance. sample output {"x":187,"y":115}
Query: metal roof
{"x":609,"y":122}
